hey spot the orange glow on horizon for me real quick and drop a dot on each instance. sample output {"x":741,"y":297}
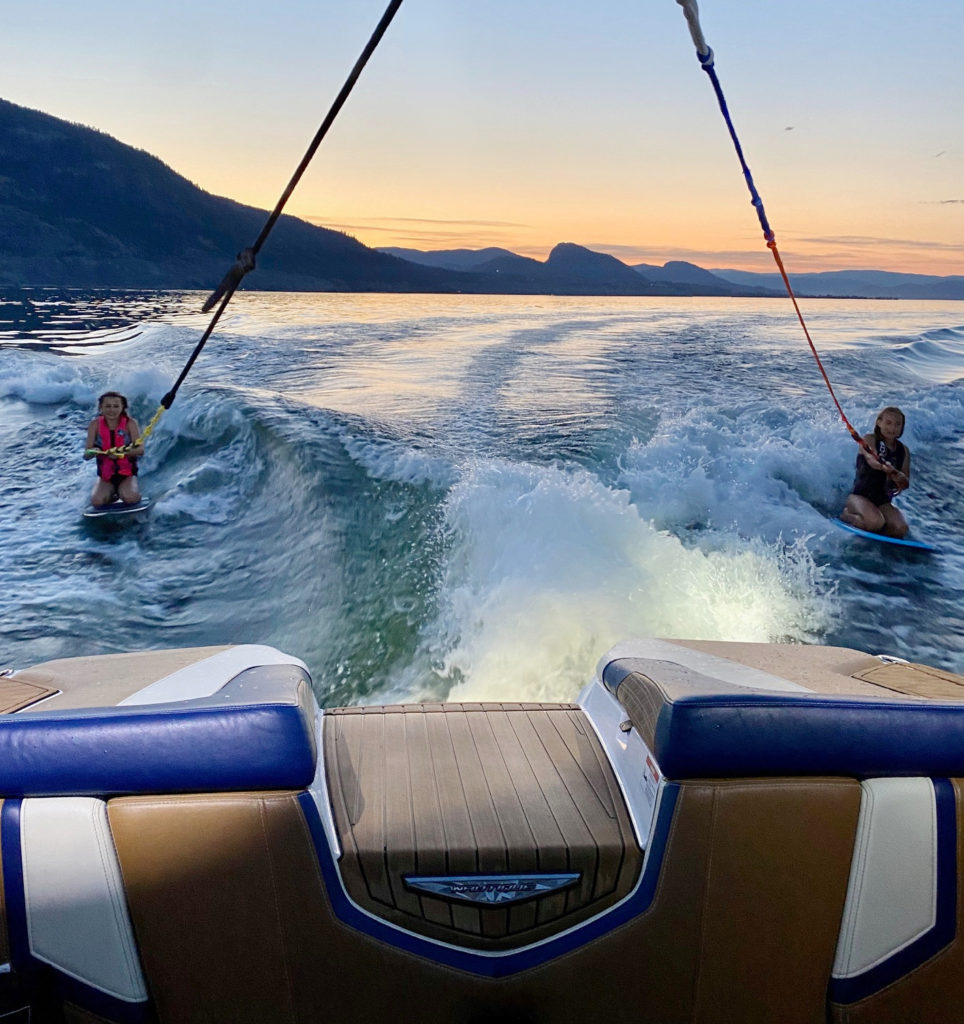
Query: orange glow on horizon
{"x":800,"y":254}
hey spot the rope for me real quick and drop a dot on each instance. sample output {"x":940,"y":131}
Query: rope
{"x":705,"y":55}
{"x":246,"y":259}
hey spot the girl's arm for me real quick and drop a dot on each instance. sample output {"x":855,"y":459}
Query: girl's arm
{"x":137,"y":449}
{"x":91,"y":438}
{"x":870,"y":459}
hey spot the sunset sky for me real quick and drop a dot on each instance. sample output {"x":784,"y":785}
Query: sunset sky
{"x":523,"y":123}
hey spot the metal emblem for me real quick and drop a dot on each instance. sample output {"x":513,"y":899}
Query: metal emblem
{"x":490,"y":890}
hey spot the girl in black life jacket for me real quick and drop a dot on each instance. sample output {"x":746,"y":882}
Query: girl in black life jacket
{"x":113,"y":427}
{"x":880,"y":477}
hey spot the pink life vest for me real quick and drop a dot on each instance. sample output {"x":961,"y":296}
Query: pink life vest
{"x":108,"y":468}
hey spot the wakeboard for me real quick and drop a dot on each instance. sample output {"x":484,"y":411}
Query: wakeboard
{"x":116,"y":509}
{"x":904,"y":542}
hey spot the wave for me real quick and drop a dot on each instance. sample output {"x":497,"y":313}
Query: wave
{"x":401,"y":569}
{"x":401,"y":573}
{"x":446,"y":517}
{"x":545,"y":568}
{"x":936,"y":355}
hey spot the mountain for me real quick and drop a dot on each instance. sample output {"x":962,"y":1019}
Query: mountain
{"x":572,"y":269}
{"x":569,"y":260}
{"x":870,"y":284}
{"x":80,"y":209}
{"x":685,"y":273}
{"x":451,"y":259}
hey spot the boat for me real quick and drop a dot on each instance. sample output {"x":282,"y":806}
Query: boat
{"x":713,"y":831}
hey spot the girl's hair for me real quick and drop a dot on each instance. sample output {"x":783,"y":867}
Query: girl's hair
{"x":113,"y":394}
{"x":893,"y":409}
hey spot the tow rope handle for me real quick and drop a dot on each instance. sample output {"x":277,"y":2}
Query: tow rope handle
{"x":704,"y":54}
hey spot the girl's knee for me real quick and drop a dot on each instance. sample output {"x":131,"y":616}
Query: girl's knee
{"x":875,"y":521}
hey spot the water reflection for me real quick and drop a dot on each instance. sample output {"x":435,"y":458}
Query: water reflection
{"x":61,"y":320}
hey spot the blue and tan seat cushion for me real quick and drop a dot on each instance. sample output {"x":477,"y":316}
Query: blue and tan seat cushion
{"x":256,"y":732}
{"x":701,"y":727}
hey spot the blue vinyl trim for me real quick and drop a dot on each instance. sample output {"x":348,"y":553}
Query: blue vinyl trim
{"x":110,"y":1007}
{"x":246,"y":736}
{"x":494,"y":965}
{"x":736,"y":736}
{"x":39,"y":975}
{"x":14,"y":904}
{"x":615,"y":672}
{"x":174,"y":751}
{"x":850,"y":990}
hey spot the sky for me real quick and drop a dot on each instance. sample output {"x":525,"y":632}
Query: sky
{"x":524,"y":123}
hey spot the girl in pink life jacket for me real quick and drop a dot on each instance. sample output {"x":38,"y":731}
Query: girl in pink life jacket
{"x":113,"y":427}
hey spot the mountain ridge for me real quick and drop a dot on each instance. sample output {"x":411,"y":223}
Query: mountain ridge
{"x":80,"y":209}
{"x":865,"y":284}
{"x":595,"y":272}
{"x":874,"y":284}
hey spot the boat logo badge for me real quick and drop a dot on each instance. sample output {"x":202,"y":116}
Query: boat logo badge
{"x":491,"y":889}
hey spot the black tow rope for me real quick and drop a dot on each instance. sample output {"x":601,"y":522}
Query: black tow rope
{"x":246,"y":258}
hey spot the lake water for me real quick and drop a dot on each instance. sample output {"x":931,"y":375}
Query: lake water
{"x":475,"y":496}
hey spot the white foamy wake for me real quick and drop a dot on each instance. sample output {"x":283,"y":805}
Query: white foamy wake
{"x":549,"y":568}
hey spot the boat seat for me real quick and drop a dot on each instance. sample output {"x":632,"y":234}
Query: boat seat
{"x":255,"y":732}
{"x":703,"y":727}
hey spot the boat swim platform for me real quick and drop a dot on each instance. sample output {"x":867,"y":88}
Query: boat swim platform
{"x":713,"y":833}
{"x":472,"y":790}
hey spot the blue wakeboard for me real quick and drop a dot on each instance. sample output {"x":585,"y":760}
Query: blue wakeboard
{"x":917,"y":545}
{"x":116,"y":509}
